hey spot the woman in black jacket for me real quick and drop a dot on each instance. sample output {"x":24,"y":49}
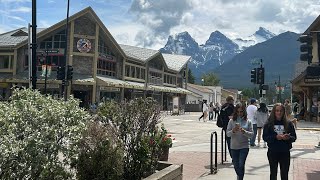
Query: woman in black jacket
{"x":279,"y":133}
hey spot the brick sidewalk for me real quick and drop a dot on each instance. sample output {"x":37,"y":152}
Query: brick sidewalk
{"x":306,"y":169}
{"x":195,"y":164}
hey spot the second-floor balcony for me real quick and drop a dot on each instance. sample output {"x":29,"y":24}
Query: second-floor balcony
{"x":155,"y":80}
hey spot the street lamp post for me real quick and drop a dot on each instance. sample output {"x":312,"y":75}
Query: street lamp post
{"x":65,"y":81}
{"x":278,"y":85}
{"x":202,"y":81}
{"x":34,"y":45}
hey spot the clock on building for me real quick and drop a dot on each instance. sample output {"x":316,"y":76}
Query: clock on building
{"x":84,"y":45}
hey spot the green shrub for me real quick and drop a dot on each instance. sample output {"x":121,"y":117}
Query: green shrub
{"x":101,"y":154}
{"x":38,"y":136}
{"x":136,"y":121}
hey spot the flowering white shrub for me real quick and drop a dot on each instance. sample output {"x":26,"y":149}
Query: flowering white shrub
{"x":39,"y":135}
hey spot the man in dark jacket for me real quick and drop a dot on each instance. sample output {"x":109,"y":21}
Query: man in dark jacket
{"x":226,"y":113}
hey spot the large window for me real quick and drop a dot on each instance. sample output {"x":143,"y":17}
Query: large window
{"x":135,"y":72}
{"x":54,"y":42}
{"x":168,"y":79}
{"x":6,"y":62}
{"x":106,"y":67}
{"x":103,"y":48}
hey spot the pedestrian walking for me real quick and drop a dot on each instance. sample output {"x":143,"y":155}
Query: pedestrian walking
{"x":211,"y":107}
{"x":262,"y":117}
{"x":288,"y":113}
{"x":202,"y":104}
{"x":216,"y":110}
{"x":279,"y":133}
{"x":226,"y":113}
{"x":251,"y":112}
{"x":205,"y":110}
{"x":239,"y":130}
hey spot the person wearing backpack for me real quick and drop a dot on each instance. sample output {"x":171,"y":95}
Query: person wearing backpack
{"x":226,"y":113}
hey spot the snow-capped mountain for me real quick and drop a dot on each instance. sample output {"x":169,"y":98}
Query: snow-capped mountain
{"x":259,"y":36}
{"x":217,"y":50}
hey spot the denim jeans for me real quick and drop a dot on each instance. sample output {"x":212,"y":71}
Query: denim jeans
{"x":210,"y":115}
{"x":239,"y":157}
{"x":253,"y":139}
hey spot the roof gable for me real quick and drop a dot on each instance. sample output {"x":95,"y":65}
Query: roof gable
{"x":14,"y":37}
{"x":137,"y":53}
{"x":175,"y":62}
{"x":315,"y":26}
{"x":20,"y":33}
{"x":72,"y":18}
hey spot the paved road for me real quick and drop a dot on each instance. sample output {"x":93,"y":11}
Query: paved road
{"x":192,"y":149}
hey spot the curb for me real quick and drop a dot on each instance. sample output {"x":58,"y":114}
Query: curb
{"x":310,"y":129}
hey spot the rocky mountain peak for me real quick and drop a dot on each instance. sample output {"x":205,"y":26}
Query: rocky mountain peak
{"x":264,"y":33}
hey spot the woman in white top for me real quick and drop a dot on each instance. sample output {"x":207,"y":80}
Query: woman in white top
{"x":262,"y":117}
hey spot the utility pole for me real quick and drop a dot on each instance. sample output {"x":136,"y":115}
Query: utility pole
{"x":65,"y":82}
{"x":34,"y":44}
{"x":262,"y":80}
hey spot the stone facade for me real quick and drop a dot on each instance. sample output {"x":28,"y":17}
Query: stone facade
{"x":84,"y":26}
{"x":83,"y":65}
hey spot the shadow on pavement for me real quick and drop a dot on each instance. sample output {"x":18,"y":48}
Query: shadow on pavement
{"x":314,"y":175}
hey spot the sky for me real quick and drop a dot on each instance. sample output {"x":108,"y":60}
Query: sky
{"x":148,"y":23}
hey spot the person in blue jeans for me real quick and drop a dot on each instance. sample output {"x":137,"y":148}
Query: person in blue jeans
{"x":240,"y":130}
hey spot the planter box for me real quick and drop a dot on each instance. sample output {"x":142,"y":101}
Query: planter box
{"x":167,"y":171}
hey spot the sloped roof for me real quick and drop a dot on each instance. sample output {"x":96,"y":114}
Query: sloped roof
{"x":175,"y":62}
{"x":137,"y":53}
{"x":199,"y":88}
{"x":315,"y":24}
{"x":12,"y":38}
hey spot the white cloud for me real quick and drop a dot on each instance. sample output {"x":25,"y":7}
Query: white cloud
{"x":149,"y":22}
{"x":22,"y":9}
{"x":44,"y":24}
{"x":16,"y":18}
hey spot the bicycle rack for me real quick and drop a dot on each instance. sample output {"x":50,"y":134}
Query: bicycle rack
{"x":225,"y":145}
{"x":215,"y":169}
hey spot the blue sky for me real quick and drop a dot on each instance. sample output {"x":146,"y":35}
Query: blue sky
{"x":148,"y":23}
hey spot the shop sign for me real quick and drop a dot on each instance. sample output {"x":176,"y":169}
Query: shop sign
{"x":109,"y":89}
{"x":313,"y":80}
{"x":106,"y":56}
{"x":137,"y":91}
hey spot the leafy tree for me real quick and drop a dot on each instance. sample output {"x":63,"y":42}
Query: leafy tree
{"x":38,"y":136}
{"x":191,"y":78}
{"x":210,"y":79}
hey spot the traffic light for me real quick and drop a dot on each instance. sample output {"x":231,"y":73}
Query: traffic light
{"x":69,"y":72}
{"x":61,"y":73}
{"x":260,"y":76}
{"x":306,"y":48}
{"x":254,"y":75}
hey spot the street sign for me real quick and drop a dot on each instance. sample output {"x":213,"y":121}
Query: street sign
{"x":313,"y":80}
{"x":51,"y":51}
